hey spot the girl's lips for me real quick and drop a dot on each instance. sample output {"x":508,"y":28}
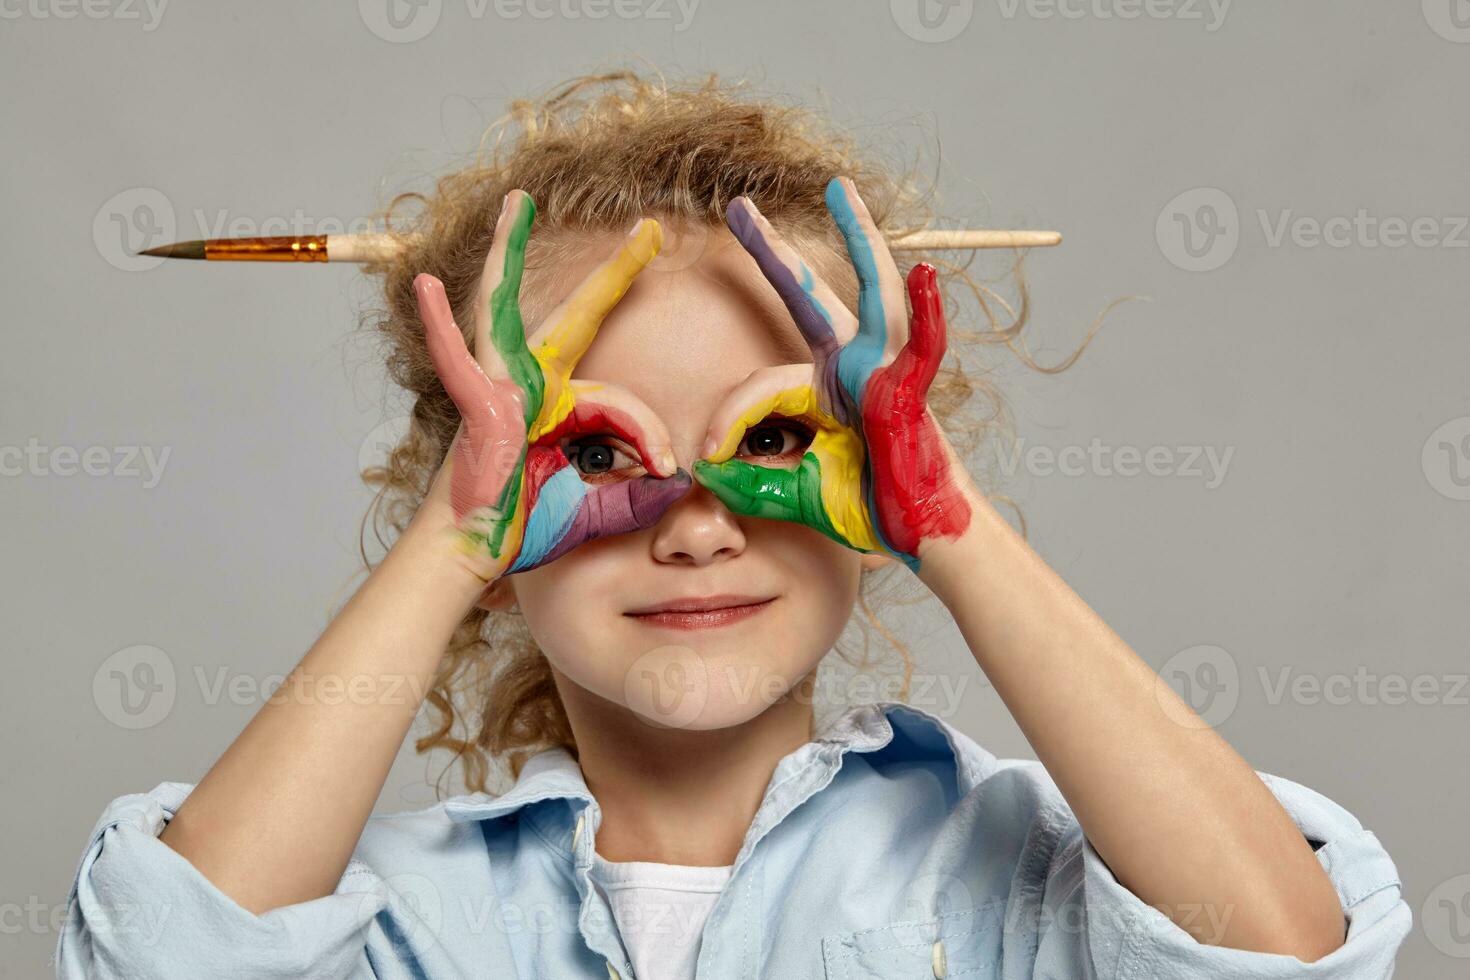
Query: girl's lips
{"x":701,"y":619}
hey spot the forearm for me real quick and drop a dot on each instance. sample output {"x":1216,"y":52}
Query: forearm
{"x":276,"y":819}
{"x":1180,"y":818}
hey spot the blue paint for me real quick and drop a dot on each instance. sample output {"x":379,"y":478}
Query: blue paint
{"x":864,"y":353}
{"x":557,"y":506}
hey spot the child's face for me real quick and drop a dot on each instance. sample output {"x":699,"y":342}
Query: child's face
{"x":693,"y":325}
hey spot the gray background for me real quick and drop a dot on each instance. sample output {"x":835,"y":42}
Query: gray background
{"x":1334,"y":546}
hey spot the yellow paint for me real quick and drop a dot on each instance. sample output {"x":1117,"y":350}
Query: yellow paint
{"x":482,"y":522}
{"x":840,"y":451}
{"x":569,"y":337}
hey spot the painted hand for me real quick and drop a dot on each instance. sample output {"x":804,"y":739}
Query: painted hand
{"x":879,"y":475}
{"x":516,"y":499}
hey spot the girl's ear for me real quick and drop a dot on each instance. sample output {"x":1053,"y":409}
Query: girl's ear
{"x":872,"y":561}
{"x":499,"y":596}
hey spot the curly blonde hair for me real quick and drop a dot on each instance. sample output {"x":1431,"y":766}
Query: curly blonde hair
{"x":595,"y":155}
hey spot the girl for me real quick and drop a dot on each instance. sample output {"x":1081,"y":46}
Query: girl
{"x":643,"y":489}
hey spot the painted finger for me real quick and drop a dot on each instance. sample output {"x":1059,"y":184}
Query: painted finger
{"x":784,"y":390}
{"x":882,"y":319}
{"x":461,"y":374}
{"x":568,"y":512}
{"x":598,"y":406}
{"x":823,"y":320}
{"x":918,"y":362}
{"x":566,"y":333}
{"x":771,"y":493}
{"x":500,"y":333}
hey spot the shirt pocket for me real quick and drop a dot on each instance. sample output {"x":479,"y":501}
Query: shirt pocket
{"x":965,"y":943}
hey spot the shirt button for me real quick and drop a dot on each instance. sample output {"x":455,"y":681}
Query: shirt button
{"x":939,"y":961}
{"x":576,"y":836}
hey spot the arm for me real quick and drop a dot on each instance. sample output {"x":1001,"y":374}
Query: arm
{"x":1177,"y":815}
{"x":1180,"y":818}
{"x":276,"y":820}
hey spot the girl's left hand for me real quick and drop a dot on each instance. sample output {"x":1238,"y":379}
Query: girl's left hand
{"x":879,"y":475}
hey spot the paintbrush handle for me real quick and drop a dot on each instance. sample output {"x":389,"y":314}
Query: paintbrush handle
{"x":381,"y":247}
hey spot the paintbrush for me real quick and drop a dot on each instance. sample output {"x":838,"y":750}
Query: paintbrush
{"x":378,"y":247}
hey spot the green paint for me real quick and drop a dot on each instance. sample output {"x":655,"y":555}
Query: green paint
{"x":508,"y":334}
{"x":508,"y":331}
{"x":768,"y":492}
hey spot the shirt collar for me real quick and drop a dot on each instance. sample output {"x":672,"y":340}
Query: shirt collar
{"x":553,"y":774}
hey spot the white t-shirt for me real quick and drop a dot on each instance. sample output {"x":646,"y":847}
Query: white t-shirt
{"x":660,"y":910}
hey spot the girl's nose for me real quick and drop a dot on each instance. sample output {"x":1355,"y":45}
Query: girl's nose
{"x":698,"y":529}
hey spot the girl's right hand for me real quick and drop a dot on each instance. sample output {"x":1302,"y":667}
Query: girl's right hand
{"x":507,"y":485}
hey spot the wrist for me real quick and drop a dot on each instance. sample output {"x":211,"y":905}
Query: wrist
{"x":944,"y":562}
{"x":431,"y":546}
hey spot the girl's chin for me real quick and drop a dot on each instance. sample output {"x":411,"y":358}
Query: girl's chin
{"x":712,"y":717}
{"x":703,"y":685}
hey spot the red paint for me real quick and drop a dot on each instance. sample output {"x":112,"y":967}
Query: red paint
{"x":913,"y":487}
{"x":542,"y":462}
{"x":591,"y":418}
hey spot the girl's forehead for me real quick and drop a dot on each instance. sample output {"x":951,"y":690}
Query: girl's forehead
{"x":701,"y":306}
{"x":684,"y":334}
{"x":683,"y":338}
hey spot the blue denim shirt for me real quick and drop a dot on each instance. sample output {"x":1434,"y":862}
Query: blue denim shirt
{"x":890,"y":846}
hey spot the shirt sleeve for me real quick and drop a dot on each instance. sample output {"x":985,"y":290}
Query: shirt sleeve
{"x":138,"y":908}
{"x":1105,"y":931}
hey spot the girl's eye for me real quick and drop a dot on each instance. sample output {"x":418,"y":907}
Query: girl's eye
{"x":784,"y":438}
{"x":599,"y":456}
